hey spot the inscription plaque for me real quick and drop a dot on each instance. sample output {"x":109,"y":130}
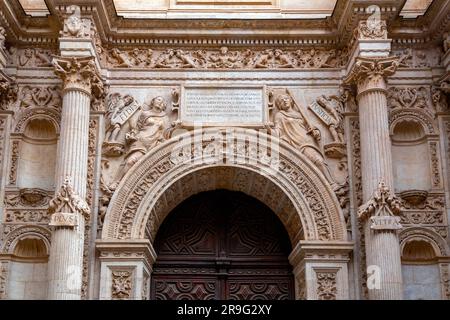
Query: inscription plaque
{"x":223,"y":105}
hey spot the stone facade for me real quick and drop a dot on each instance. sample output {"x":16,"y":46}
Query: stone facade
{"x":336,"y":118}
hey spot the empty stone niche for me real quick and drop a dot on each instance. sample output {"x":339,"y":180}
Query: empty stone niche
{"x":410,"y":157}
{"x":28,"y":270}
{"x":420,"y":271}
{"x":37,"y":155}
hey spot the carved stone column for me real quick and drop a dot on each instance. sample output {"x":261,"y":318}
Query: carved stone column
{"x":383,"y":249}
{"x":65,"y":264}
{"x":376,"y":165}
{"x":368,"y":75}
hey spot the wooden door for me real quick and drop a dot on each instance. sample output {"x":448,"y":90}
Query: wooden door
{"x":222,"y":245}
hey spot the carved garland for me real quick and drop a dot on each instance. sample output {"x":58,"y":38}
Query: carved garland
{"x":436,"y":172}
{"x":93,"y":123}
{"x":14,"y":162}
{"x":357,"y":187}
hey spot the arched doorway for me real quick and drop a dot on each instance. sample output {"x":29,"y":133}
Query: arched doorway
{"x":222,"y":245}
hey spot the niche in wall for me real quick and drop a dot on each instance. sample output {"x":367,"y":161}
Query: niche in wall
{"x":28,"y":270}
{"x":420,"y":271}
{"x":410,"y":157}
{"x":37,"y":155}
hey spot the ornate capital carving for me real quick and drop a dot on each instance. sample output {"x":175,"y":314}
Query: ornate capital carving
{"x":368,"y":73}
{"x":382,"y":209}
{"x":372,"y":29}
{"x":66,"y":206}
{"x":79,"y":74}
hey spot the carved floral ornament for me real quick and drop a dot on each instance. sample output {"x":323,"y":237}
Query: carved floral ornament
{"x":369,"y":73}
{"x":79,"y":74}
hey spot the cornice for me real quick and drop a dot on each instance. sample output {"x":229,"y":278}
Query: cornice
{"x":334,"y":31}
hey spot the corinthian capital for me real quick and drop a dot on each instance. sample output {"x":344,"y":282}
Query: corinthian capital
{"x":381,"y":209}
{"x":369,"y":73}
{"x":67,"y":206}
{"x":78,"y":74}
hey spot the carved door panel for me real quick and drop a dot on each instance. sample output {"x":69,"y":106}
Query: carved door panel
{"x":222,"y":245}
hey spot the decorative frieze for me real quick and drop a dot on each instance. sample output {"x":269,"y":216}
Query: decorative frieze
{"x":40,"y":96}
{"x":224,"y":58}
{"x":31,"y":57}
{"x":419,"y":58}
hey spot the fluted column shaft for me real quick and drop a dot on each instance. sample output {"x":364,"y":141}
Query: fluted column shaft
{"x":73,"y":144}
{"x":69,"y":208}
{"x":376,"y":158}
{"x":382,"y":247}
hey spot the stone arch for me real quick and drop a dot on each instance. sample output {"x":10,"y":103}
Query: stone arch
{"x":312,"y":209}
{"x":431,"y":237}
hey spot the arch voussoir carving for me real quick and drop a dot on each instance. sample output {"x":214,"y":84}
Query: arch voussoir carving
{"x":309,"y":209}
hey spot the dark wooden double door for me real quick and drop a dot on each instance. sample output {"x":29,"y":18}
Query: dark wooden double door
{"x":222,"y":245}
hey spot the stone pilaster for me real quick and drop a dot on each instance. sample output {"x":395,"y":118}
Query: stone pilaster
{"x":368,"y":75}
{"x":65,"y":265}
{"x":125,"y":269}
{"x":383,"y":257}
{"x":68,"y":211}
{"x":383,"y":249}
{"x":321,"y":270}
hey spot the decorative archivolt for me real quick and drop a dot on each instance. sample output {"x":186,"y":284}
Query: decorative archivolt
{"x":421,"y":118}
{"x":424,"y":234}
{"x":50,"y":114}
{"x":304,"y":185}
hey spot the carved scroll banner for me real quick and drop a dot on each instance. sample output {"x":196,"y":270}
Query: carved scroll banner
{"x":321,"y":113}
{"x":220,"y":105}
{"x":124,"y":113}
